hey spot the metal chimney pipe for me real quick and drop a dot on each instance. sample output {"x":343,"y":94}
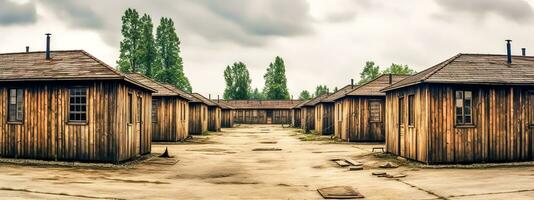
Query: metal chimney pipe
{"x":218,"y":100}
{"x":48,"y":46}
{"x":351,"y":83}
{"x":390,"y":79}
{"x":27,"y":49}
{"x":509,"y":51}
{"x":524,"y":51}
{"x":209,"y":96}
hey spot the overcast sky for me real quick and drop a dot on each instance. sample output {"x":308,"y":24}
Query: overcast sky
{"x":321,"y":41}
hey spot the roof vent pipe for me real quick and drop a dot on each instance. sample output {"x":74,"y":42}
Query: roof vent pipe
{"x":27,"y":49}
{"x":209,"y":96}
{"x":351,"y":83}
{"x":390,"y":78}
{"x":509,"y":51}
{"x":524,"y":51}
{"x":48,"y":46}
{"x":218,"y":100}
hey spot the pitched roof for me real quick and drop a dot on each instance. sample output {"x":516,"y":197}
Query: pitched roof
{"x":340,"y":93}
{"x":374,"y":87}
{"x":204,"y":99}
{"x":262,"y":104}
{"x":182,"y":93}
{"x":64,"y":65}
{"x":222,"y":104}
{"x":475,"y":69}
{"x":161,"y":89}
{"x":316,"y":100}
{"x":302,"y":104}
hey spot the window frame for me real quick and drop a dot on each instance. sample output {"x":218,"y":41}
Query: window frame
{"x":70,"y":104}
{"x":16,"y":109}
{"x":463,"y":114}
{"x":380,"y":118}
{"x":411,"y":110}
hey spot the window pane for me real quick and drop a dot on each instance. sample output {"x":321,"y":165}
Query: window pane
{"x":459,"y":119}
{"x":411,"y":110}
{"x":467,"y":119}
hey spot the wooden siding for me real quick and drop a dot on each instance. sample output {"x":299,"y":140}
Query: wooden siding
{"x":307,"y":118}
{"x":501,"y":132}
{"x":214,"y":119}
{"x":45,"y":132}
{"x":198,"y":118}
{"x":352,"y":119}
{"x":172,"y":119}
{"x":227,"y":118}
{"x":260,"y":116}
{"x":296,"y":118}
{"x":324,"y":118}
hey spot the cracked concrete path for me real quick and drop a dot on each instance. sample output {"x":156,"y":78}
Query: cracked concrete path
{"x":226,"y":167}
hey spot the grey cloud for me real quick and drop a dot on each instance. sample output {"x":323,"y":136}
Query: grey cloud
{"x":12,"y":13}
{"x":516,"y":10}
{"x":341,"y":17}
{"x":76,"y":13}
{"x":244,"y":22}
{"x":258,"y":17}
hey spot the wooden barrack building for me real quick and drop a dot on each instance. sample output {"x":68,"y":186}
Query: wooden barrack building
{"x":359,"y":114}
{"x":307,"y":113}
{"x":170,"y":110}
{"x":325,"y":109}
{"x":71,"y":106}
{"x":296,"y":115}
{"x":469,"y":108}
{"x":262,"y":111}
{"x":214,"y":113}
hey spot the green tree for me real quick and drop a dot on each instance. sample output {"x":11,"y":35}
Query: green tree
{"x":256,"y":95}
{"x":276,"y":81}
{"x":370,"y":72}
{"x":130,"y":51}
{"x":321,"y":89}
{"x":169,"y":60}
{"x":304,"y":95}
{"x":237,"y":82}
{"x":399,"y":69}
{"x":147,"y":47}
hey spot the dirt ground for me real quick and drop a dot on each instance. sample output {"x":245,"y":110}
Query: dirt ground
{"x":226,"y":167}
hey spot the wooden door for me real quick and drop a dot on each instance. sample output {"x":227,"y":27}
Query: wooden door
{"x":401,"y":127}
{"x":354,"y":120}
{"x":139,"y":124}
{"x":269,"y":116}
{"x":129,"y":128}
{"x":376,"y":123}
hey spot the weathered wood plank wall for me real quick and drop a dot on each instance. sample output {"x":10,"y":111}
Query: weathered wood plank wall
{"x":227,"y":118}
{"x":501,"y":130}
{"x":214,"y":119}
{"x":45,"y":132}
{"x":353,"y":120}
{"x":296,"y":118}
{"x":324,"y":118}
{"x":172,"y":119}
{"x":198,"y":118}
{"x":262,"y":116}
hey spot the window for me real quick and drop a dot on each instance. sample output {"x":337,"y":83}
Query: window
{"x":130,"y":108}
{"x":78,"y":105}
{"x":139,"y":109}
{"x":401,"y":111}
{"x":375,"y":111}
{"x":464,"y":111}
{"x":411,"y":111}
{"x":16,"y":107}
{"x":155,"y":106}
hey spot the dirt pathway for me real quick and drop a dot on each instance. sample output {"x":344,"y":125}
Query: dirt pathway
{"x":227,"y":167}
